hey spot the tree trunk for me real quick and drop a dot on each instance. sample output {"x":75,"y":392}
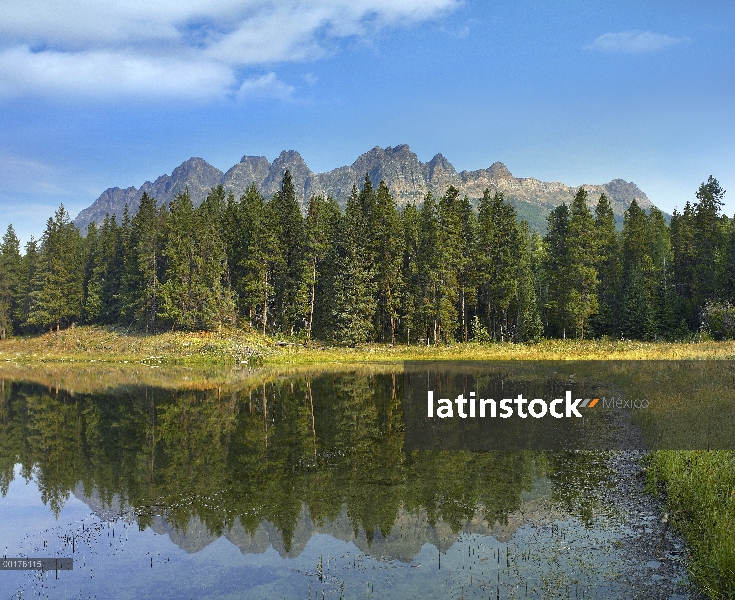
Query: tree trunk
{"x":265,"y":302}
{"x":313,"y":294}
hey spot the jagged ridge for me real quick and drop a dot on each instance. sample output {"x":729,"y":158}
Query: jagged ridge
{"x":408,"y":179}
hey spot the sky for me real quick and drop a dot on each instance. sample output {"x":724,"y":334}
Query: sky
{"x":101,"y":94}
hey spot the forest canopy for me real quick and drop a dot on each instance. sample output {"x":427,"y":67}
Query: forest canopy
{"x":437,"y":272}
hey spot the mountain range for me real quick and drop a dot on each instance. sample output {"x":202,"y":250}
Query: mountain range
{"x":407,"y":177}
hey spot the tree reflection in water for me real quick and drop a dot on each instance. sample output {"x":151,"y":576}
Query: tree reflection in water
{"x":284,"y":459}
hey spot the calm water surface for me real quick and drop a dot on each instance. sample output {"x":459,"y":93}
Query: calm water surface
{"x":286,"y":487}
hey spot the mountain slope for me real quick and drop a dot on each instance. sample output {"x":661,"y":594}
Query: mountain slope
{"x":407,"y":177}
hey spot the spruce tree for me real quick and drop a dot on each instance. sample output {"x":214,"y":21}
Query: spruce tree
{"x":410,"y":300}
{"x":28,"y":267}
{"x":105,"y":269}
{"x":637,"y":314}
{"x":449,"y":255}
{"x":556,"y":271}
{"x":524,"y":308}
{"x":254,"y":259}
{"x":710,"y":233}
{"x":144,"y":266}
{"x":321,"y":224}
{"x":498,"y":241}
{"x":583,"y":257}
{"x":10,"y":276}
{"x":355,"y":291}
{"x":605,"y":322}
{"x":428,"y":272}
{"x":290,"y":289}
{"x":195,"y":294}
{"x":467,"y":275}
{"x":57,"y":293}
{"x":387,"y":249}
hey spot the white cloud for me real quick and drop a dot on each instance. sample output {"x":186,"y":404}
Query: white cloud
{"x":193,"y":48}
{"x":634,"y":41}
{"x":109,"y":74}
{"x":265,"y":86}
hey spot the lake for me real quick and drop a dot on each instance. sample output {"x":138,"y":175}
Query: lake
{"x":297,"y":485}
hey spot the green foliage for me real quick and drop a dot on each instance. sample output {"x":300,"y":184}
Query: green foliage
{"x":583,"y":256}
{"x":387,"y":248}
{"x":556,"y":266}
{"x":498,"y":244}
{"x":355,"y":290}
{"x":57,"y":287}
{"x":322,"y":220}
{"x":104,"y":272}
{"x":718,"y":319}
{"x":195,"y":294}
{"x":290,"y":289}
{"x":609,"y":271}
{"x":252,"y":256}
{"x":144,"y":265}
{"x":10,"y":279}
{"x":427,"y":274}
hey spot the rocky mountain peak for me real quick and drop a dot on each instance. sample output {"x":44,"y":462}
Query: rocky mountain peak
{"x":255,"y":160}
{"x":288,"y":160}
{"x":191,"y":166}
{"x":498,"y":170}
{"x":408,"y":179}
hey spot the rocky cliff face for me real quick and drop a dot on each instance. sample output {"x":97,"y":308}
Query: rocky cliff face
{"x":408,"y":179}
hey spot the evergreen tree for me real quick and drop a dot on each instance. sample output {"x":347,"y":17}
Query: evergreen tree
{"x":684,"y":256}
{"x":10,"y":275}
{"x":28,"y":267}
{"x":354,"y":287}
{"x":410,"y":300}
{"x":527,"y":320}
{"x":387,"y":248}
{"x":57,"y":293}
{"x":499,"y":241}
{"x":556,"y":271}
{"x":254,"y":258}
{"x":321,"y":223}
{"x":728,"y":284}
{"x":710,"y":233}
{"x":290,"y":289}
{"x":194,"y":294}
{"x":144,"y":265}
{"x":467,"y":275}
{"x":605,"y":322}
{"x":583,"y":257}
{"x":449,"y":254}
{"x":105,"y":270}
{"x":92,"y":292}
{"x":215,"y":275}
{"x":428,"y":261}
{"x":637,"y":314}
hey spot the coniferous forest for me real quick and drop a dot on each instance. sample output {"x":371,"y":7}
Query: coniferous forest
{"x":432,"y":273}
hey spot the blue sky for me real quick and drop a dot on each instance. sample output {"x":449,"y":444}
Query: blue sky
{"x":96,"y":95}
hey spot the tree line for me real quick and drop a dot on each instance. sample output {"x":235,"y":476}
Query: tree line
{"x":440,"y":272}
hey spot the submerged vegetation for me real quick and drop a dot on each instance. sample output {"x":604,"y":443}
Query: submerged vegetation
{"x":699,"y":488}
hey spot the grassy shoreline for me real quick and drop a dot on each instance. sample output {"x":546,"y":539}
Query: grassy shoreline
{"x":113,"y":345}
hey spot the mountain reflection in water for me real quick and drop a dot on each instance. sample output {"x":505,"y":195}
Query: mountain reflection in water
{"x":272,"y":464}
